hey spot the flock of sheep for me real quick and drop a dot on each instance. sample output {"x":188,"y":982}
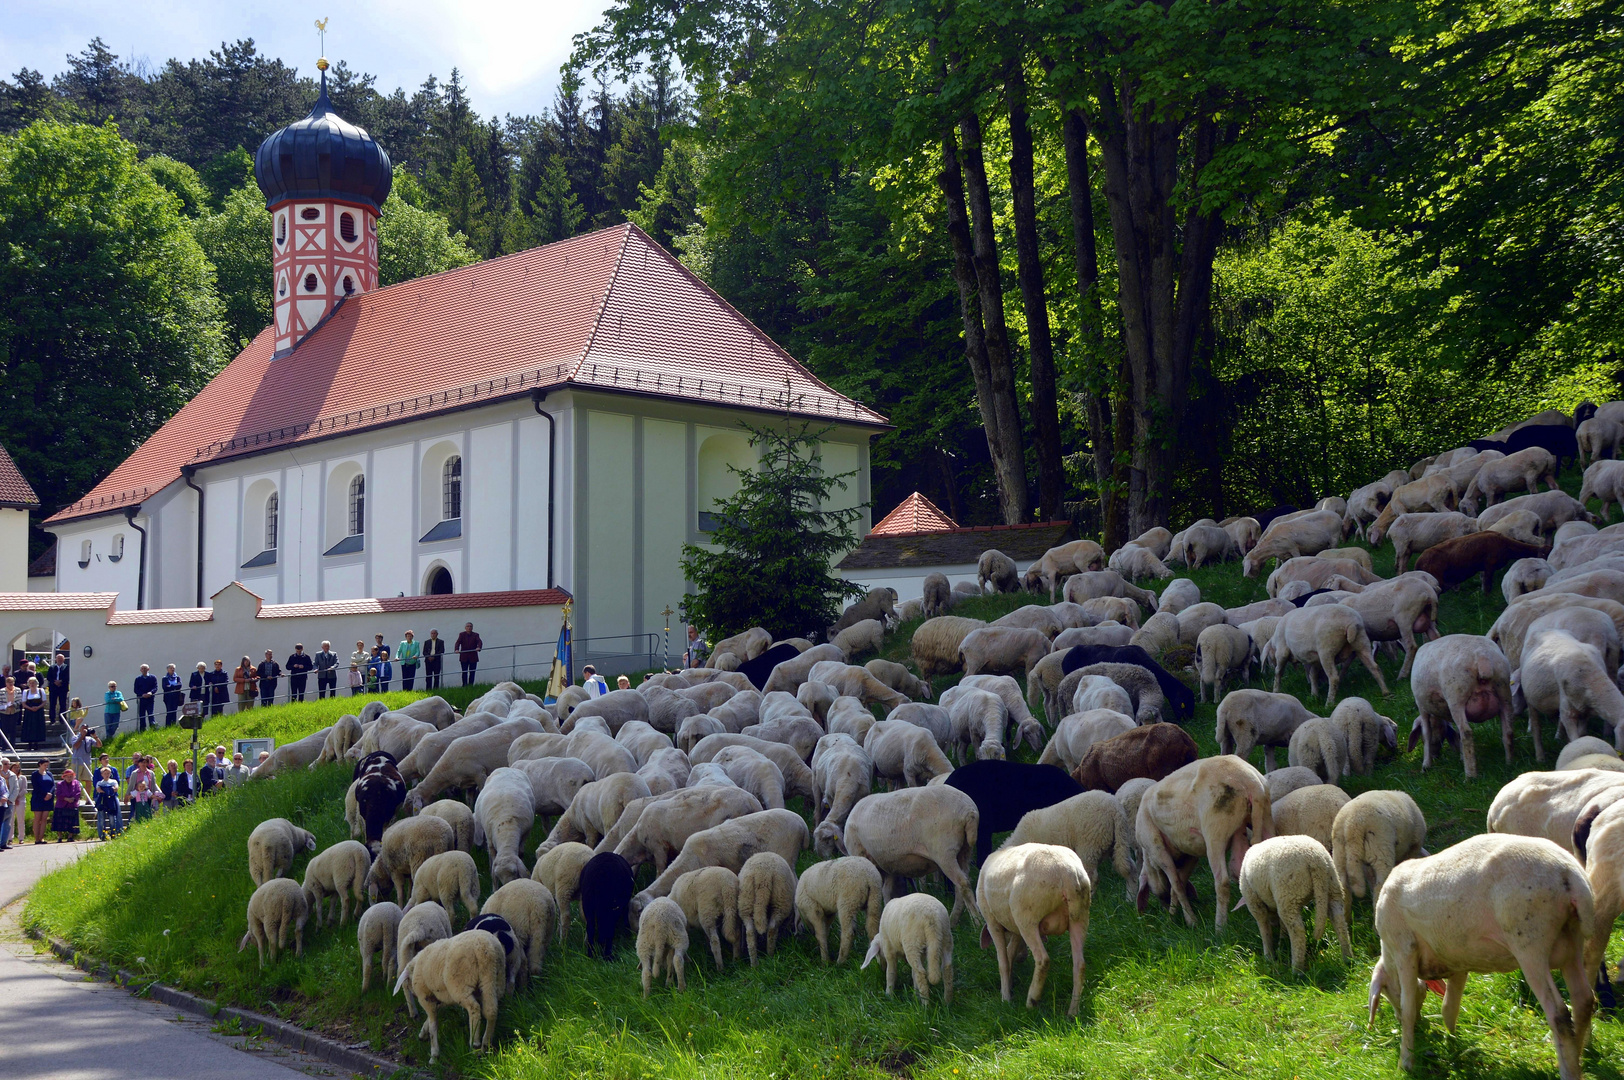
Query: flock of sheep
{"x":692,"y":772}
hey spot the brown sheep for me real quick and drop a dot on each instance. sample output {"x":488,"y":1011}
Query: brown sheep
{"x":1455,"y":562}
{"x":1152,"y":750}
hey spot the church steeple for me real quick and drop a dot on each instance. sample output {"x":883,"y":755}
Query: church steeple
{"x":324,"y":181}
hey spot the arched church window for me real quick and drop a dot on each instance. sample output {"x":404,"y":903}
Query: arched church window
{"x":272,"y":507}
{"x":451,"y":489}
{"x":358,"y":506}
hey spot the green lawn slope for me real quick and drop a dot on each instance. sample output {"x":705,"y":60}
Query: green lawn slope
{"x":1161,"y":1000}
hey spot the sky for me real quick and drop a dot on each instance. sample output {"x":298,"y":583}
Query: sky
{"x":509,"y":51}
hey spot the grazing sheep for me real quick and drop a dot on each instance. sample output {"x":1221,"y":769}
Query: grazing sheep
{"x":1008,"y":691}
{"x":998,"y":570}
{"x":403,"y":849}
{"x":1076,"y":733}
{"x":1113,"y":634}
{"x":1094,"y":825}
{"x":1364,"y":732}
{"x":917,"y":927}
{"x":709,"y":899}
{"x":790,"y":674}
{"x":531,"y":911}
{"x":1262,"y":609}
{"x":1251,"y":718}
{"x":379,"y":795}
{"x":729,"y":844}
{"x":420,"y":927}
{"x":913,"y":831}
{"x":1002,"y":650}
{"x":1106,"y":585}
{"x":1204,"y":809}
{"x":554,"y":783}
{"x":294,"y":755}
{"x":842,"y":887}
{"x":560,"y":870}
{"x":339,"y":871}
{"x":667,"y":770}
{"x":1309,"y":811}
{"x":906,"y":753}
{"x":1584,"y":746}
{"x":662,"y":944}
{"x":659,"y":837}
{"x":1364,"y":506}
{"x":502,"y":930}
{"x":503,"y":814}
{"x":1599,"y":842}
{"x":1325,"y":636}
{"x":595,"y":810}
{"x":842,"y":774}
{"x":860,"y":637}
{"x":1511,"y":627}
{"x":642,"y":740}
{"x":277,"y":904}
{"x":605,"y":889}
{"x":1150,"y":750}
{"x":1553,"y":507}
{"x":797,"y":776}
{"x":1525,"y":576}
{"x":1158,"y":635}
{"x":1136,"y":563}
{"x":754,"y":773}
{"x":933,"y":718}
{"x":1244,"y":532}
{"x":694,"y":728}
{"x":1517,"y":471}
{"x":938,"y":595}
{"x":799,"y":732}
{"x":1372,"y":834}
{"x":1027,"y":892}
{"x":1193,"y":620}
{"x":1395,"y":610}
{"x":1178,"y":595}
{"x":1129,"y":796}
{"x":1059,"y":563}
{"x":1144,"y":690}
{"x":1279,"y":877}
{"x":1569,"y":678}
{"x":1091,"y":692}
{"x":849,"y":680}
{"x":1005,"y":791}
{"x":1597,"y":437}
{"x":1550,"y":804}
{"x":445,"y":879}
{"x":878,"y":604}
{"x":395,"y":733}
{"x":1176,"y":693}
{"x":1317,"y":573}
{"x":618,"y":706}
{"x":1414,"y":533}
{"x":468,"y":970}
{"x":458,"y":816}
{"x":1488,"y":904}
{"x":467,"y":763}
{"x":1320,"y":745}
{"x":755,"y":641}
{"x":766,"y":899}
{"x":1284,"y":539}
{"x":1283,"y":782}
{"x":272,"y":847}
{"x":378,"y":930}
{"x":1454,"y":562}
{"x":430,"y":748}
{"x":1199,"y":545}
{"x":900,"y":679}
{"x":344,"y":733}
{"x":1520,"y":525}
{"x":1221,"y":651}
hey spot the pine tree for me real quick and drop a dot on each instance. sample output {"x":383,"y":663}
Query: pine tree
{"x":556,"y":214}
{"x":462,"y":201}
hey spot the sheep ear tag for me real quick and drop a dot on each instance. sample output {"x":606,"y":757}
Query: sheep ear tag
{"x":1435,"y":986}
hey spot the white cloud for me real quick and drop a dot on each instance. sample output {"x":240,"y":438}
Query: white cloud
{"x":508,"y":51}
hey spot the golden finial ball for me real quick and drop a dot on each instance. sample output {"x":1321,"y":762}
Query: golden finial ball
{"x":321,"y":65}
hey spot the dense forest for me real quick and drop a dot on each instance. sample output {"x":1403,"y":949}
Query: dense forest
{"x":1114,"y":262}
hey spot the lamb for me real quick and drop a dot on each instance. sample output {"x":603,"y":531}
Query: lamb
{"x":344,"y":733}
{"x":861,"y":637}
{"x":1454,"y":562}
{"x":1152,"y":750}
{"x":1009,"y":692}
{"x":1517,"y":471}
{"x":1372,"y":834}
{"x":938,"y":595}
{"x":1136,"y":563}
{"x":595,"y":809}
{"x":797,"y":777}
{"x":1279,"y":877}
{"x":1251,"y":718}
{"x":1076,"y":733}
{"x":917,"y":927}
{"x":913,"y":831}
{"x":1309,"y":811}
{"x":1567,"y":677}
{"x":1303,"y":535}
{"x":560,"y":870}
{"x":1059,"y":563}
{"x":1005,"y":791}
{"x":660,"y":836}
{"x":1490,"y":903}
{"x":1364,"y":731}
{"x":1094,"y":824}
{"x":662,"y":944}
{"x":842,"y":774}
{"x":878,"y":604}
{"x":503,"y":814}
{"x":1220,"y":651}
{"x":1549,"y":804}
{"x":606,"y":885}
{"x":531,"y":911}
{"x":419,"y":928}
{"x":404,"y":847}
{"x":272,"y":847}
{"x":998,"y":570}
{"x":1205,"y":808}
{"x":277,"y":904}
{"x":1584,"y":746}
{"x":730,"y":844}
{"x":1326,"y":635}
{"x":1028,"y":891}
{"x":709,"y":899}
{"x":1002,"y":650}
{"x":902,"y":752}
{"x":841,"y":887}
{"x":1319,"y":745}
{"x":339,"y":871}
{"x":766,"y":899}
{"x":554,"y":783}
{"x":378,"y":930}
{"x":445,"y":879}
{"x":753,"y":772}
{"x":900,"y":679}
{"x":467,"y":970}
{"x":789,"y":675}
{"x":1178,"y":595}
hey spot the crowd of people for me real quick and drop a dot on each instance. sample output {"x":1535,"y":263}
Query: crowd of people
{"x":31,"y":696}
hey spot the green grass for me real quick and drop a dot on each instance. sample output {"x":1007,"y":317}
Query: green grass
{"x":1160,"y":1000}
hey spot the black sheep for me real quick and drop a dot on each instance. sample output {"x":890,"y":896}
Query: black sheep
{"x":1488,"y":444}
{"x":605,"y":893}
{"x":1559,"y":439}
{"x":762,"y":666}
{"x":373,"y":761}
{"x":1006,"y":791}
{"x":378,"y":796}
{"x":1180,"y":697}
{"x":1302,"y":601}
{"x":1264,"y":517}
{"x":1584,"y":412}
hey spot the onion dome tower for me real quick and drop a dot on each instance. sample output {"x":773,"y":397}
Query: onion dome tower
{"x":324,"y":181}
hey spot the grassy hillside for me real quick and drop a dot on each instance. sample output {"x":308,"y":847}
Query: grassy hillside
{"x":1160,"y":1000}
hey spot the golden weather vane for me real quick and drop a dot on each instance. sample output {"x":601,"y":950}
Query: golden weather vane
{"x":321,"y":33}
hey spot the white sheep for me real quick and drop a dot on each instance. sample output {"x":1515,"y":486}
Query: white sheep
{"x":1283,"y":782}
{"x":709,"y":899}
{"x":998,"y":570}
{"x":531,"y":910}
{"x":1002,"y":650}
{"x":658,"y":837}
{"x":339,"y":871}
{"x":662,"y":943}
{"x":560,"y":870}
{"x":503,"y":814}
{"x":1129,"y":795}
{"x":848,"y":716}
{"x":1025,"y":892}
{"x":766,"y":899}
{"x":467,"y":970}
{"x":446,"y":878}
{"x":1202,"y":809}
{"x":1549,"y":804}
{"x":1251,"y":718}
{"x":1364,"y":732}
{"x":904,"y":753}
{"x":1222,"y":650}
{"x":789,"y":675}
{"x":1488,"y":904}
{"x":918,"y":928}
{"x":272,"y":847}
{"x":595,"y":810}
{"x":899,"y":679}
{"x":277,"y":904}
{"x":842,"y":774}
{"x":1179,"y":594}
{"x":378,"y":930}
{"x":753,"y":772}
{"x":405,"y":846}
{"x":933,"y":718}
{"x":979,"y":719}
{"x":865,"y":636}
{"x":914,"y":831}
{"x":1008,"y":690}
{"x":1373,"y":833}
{"x":553,"y":784}
{"x":1324,"y":636}
{"x":1458,"y":680}
{"x":1094,"y":825}
{"x":1076,"y":733}
{"x":1525,"y":576}
{"x":1301,"y":535}
{"x":840,"y":887}
{"x":431,"y":747}
{"x":729,"y":844}
{"x":1310,"y":811}
{"x":1279,"y":877}
{"x":938,"y":595}
{"x":1136,"y":563}
{"x":468,"y":763}
{"x":665,"y":771}
{"x":1320,"y":745}
{"x":1158,"y":634}
{"x":1603,"y":855}
{"x":1584,"y":746}
{"x":344,"y":733}
{"x":420,"y":927}
{"x":458,"y":816}
{"x":1568,"y":678}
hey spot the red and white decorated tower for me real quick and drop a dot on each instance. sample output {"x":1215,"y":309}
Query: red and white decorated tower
{"x":324,"y":181}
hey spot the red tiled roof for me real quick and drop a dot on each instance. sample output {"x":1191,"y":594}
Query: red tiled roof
{"x":15,"y":491}
{"x":608,"y":310}
{"x":915,"y":514}
{"x":45,"y":601}
{"x":160,"y":616}
{"x":45,"y":564}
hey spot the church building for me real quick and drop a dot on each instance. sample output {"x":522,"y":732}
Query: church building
{"x":551,"y":425}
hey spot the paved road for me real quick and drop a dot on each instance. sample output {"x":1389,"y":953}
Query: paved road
{"x":57,"y":1024}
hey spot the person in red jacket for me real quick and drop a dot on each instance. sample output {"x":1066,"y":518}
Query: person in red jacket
{"x":467,"y":647}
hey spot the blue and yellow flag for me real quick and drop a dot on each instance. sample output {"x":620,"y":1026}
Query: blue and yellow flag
{"x":563,"y":669}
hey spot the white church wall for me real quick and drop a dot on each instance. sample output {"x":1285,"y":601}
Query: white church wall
{"x":109,"y":549}
{"x":665,"y":502}
{"x":489,"y":496}
{"x":391,"y":524}
{"x":606,"y":566}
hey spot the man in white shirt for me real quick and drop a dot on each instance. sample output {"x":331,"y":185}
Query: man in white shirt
{"x":595,"y":686}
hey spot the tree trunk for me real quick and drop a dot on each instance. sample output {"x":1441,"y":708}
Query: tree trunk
{"x":1010,"y":465}
{"x":1107,"y":474}
{"x":951,"y":181}
{"x":1029,"y":261}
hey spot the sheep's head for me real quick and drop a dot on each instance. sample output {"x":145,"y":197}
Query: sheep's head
{"x":990,"y":751}
{"x":828,"y":840}
{"x":507,"y":867}
{"x":1032,"y":732}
